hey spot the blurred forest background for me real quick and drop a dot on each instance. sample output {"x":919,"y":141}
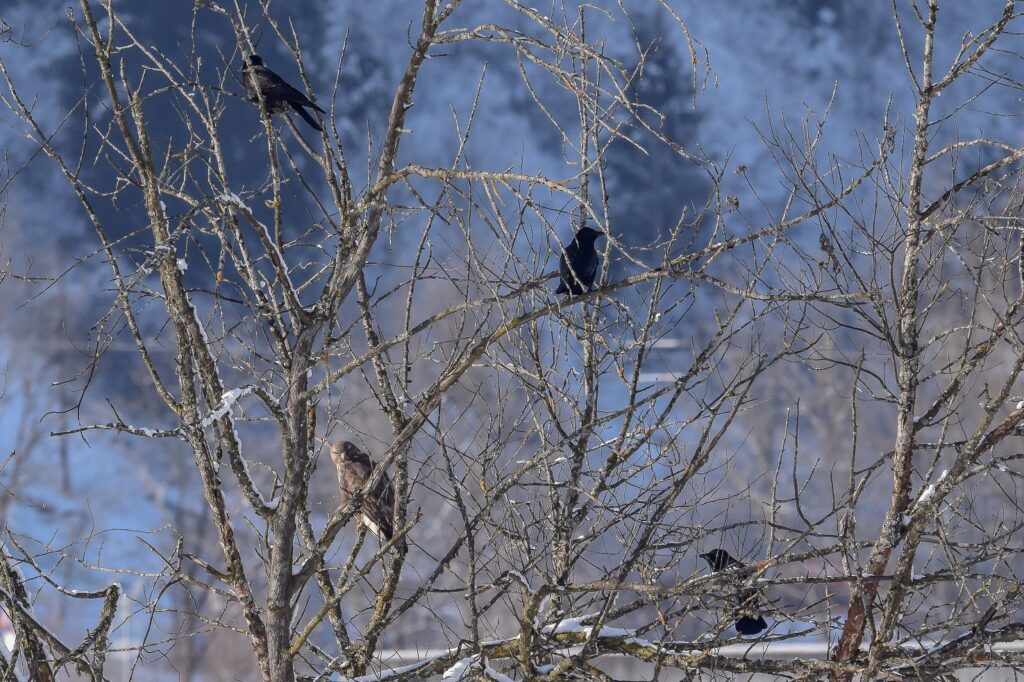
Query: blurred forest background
{"x":82,"y":502}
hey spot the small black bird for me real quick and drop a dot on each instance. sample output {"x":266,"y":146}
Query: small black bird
{"x":578,"y":264}
{"x":278,"y":96}
{"x":354,"y":470}
{"x":719,"y":559}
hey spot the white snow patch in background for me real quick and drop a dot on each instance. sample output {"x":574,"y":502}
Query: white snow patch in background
{"x":182,"y":264}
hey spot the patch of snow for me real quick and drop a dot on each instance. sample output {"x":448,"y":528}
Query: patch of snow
{"x":930,"y":490}
{"x":543,"y":608}
{"x":1002,"y":467}
{"x":390,"y":674}
{"x":199,"y":323}
{"x":641,"y":642}
{"x":495,"y":675}
{"x":233,"y":199}
{"x":228,"y":401}
{"x":460,"y":668}
{"x":182,"y":264}
{"x":617,"y":632}
{"x":520,"y":578}
{"x":576,"y":625}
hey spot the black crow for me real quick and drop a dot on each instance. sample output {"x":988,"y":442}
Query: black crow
{"x":578,"y":264}
{"x":354,"y":469}
{"x":278,"y":96}
{"x":719,"y":559}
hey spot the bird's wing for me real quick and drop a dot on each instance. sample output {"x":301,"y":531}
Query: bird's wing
{"x":275,"y":87}
{"x":567,"y":274}
{"x":564,"y":278}
{"x":354,"y":476}
{"x":577,"y":268}
{"x":380,"y":507}
{"x":586,"y":268}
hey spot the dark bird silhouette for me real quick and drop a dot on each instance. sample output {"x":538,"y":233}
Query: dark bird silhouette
{"x":719,"y":559}
{"x":278,"y":96}
{"x":578,"y":264}
{"x":354,"y":470}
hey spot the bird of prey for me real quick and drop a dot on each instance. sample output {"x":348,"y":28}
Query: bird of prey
{"x":354,"y":470}
{"x":719,"y":559}
{"x":278,"y":96}
{"x":578,"y":264}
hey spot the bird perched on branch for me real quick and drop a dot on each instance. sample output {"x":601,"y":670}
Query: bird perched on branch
{"x":578,"y":264}
{"x":355,"y":469}
{"x":278,"y":96}
{"x":719,"y":559}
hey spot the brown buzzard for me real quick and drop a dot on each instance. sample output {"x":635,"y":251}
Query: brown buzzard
{"x":354,"y":470}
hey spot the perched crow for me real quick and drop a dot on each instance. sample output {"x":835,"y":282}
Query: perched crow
{"x":278,"y":96}
{"x":578,"y":264}
{"x":354,"y":470}
{"x":719,"y":559}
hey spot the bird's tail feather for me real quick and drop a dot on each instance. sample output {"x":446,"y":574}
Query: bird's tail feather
{"x":307,"y":117}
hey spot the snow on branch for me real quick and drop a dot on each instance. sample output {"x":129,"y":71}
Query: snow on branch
{"x":227,"y":401}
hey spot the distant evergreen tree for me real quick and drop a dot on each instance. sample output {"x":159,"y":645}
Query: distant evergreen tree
{"x":648,"y":191}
